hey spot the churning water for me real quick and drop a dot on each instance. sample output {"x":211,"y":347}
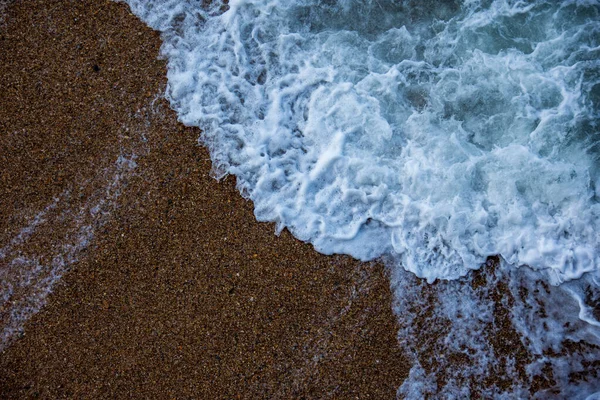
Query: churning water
{"x":433,"y":134}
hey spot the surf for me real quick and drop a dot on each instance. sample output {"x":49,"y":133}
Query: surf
{"x":433,"y":135}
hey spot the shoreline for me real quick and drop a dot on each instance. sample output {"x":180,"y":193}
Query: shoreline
{"x":176,"y":291}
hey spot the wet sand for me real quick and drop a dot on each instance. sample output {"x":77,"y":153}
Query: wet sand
{"x":169,"y":288}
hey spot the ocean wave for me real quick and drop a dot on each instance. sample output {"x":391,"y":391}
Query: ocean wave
{"x":434,"y":134}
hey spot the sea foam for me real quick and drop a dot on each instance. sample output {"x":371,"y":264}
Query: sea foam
{"x":438,"y":134}
{"x":434,"y":134}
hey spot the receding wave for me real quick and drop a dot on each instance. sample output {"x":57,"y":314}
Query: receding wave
{"x":434,"y":134}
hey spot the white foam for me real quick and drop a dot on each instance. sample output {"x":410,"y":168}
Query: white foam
{"x":470,"y":338}
{"x":368,"y":134}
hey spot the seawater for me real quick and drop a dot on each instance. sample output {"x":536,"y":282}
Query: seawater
{"x":434,"y":134}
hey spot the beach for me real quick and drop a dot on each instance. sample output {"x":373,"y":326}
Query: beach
{"x":168,"y":287}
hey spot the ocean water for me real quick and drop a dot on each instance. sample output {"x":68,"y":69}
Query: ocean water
{"x":434,"y":135}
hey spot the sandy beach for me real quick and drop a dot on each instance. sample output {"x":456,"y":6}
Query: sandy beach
{"x":169,"y":288}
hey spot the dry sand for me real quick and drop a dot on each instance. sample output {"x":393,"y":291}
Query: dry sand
{"x":171,"y":289}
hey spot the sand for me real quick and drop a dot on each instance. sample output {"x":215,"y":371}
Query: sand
{"x":169,"y":288}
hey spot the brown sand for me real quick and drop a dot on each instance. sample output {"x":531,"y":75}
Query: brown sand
{"x":181,"y":293}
